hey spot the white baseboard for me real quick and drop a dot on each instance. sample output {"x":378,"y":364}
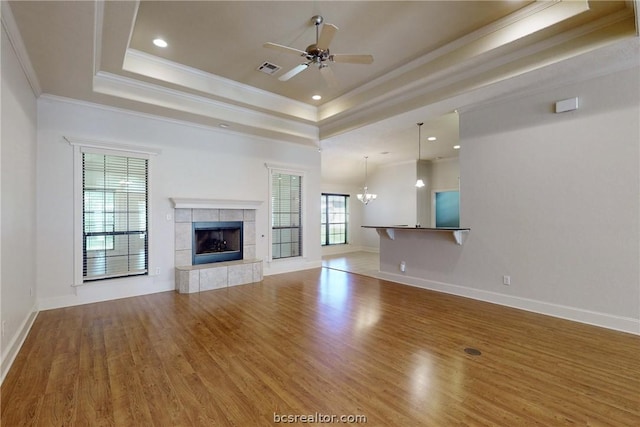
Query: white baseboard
{"x":289,"y":266}
{"x":338,"y":249}
{"x":11,"y":351}
{"x":372,"y":249}
{"x":96,"y":293}
{"x":345,"y":249}
{"x":618,"y":323}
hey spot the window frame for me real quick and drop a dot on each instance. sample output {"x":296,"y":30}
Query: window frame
{"x":277,"y":169}
{"x":326,"y":238}
{"x":81,"y":146}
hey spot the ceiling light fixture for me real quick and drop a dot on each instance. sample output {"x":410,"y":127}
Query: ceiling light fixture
{"x":160,"y":43}
{"x":419,"y":182}
{"x":456,"y":147}
{"x":431,"y":138}
{"x":366,"y":197}
{"x":316,"y":97}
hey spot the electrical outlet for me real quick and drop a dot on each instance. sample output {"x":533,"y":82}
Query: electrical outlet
{"x":506,"y":280}
{"x":403,"y":266}
{"x":158,"y":271}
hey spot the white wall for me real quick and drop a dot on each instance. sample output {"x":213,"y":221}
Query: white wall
{"x":18,"y":205}
{"x":196,"y":162}
{"x":396,"y":203}
{"x":445,"y":173}
{"x":551,"y":200}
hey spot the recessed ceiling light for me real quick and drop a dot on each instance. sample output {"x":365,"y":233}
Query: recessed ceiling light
{"x":431,"y":138}
{"x":316,"y":97}
{"x":456,"y":147}
{"x":160,"y":43}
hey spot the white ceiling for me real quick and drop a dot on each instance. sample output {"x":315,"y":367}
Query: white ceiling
{"x":430,"y":57}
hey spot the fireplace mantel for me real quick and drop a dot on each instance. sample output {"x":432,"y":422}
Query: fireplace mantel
{"x":181,"y":203}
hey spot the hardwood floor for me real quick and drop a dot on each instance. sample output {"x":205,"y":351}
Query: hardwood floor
{"x":319,"y":341}
{"x":366,"y":263}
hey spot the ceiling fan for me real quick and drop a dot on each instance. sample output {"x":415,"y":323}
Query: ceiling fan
{"x":318,"y":53}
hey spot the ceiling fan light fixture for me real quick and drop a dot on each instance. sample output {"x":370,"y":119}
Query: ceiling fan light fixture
{"x":318,"y":53}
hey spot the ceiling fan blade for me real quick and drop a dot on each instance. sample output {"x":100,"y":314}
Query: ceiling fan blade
{"x":326,"y":35}
{"x":328,"y":76}
{"x":292,"y":72}
{"x":285,"y":49}
{"x":352,"y":59}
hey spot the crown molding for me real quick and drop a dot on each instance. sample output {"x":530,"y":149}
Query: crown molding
{"x":98,"y":20}
{"x":135,"y":90}
{"x":201,"y":81}
{"x":618,"y":57}
{"x":473,"y":46}
{"x":467,"y":75}
{"x":635,"y":6}
{"x":15,"y":38}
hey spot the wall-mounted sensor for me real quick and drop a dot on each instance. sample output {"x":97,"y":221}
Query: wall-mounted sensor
{"x":567,"y":105}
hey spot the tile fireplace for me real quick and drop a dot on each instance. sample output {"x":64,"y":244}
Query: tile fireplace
{"x":215,"y":244}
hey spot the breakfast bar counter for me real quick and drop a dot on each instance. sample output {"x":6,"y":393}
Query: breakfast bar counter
{"x":388,"y":231}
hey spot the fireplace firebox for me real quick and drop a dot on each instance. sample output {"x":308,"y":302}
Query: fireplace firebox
{"x":217,"y":241}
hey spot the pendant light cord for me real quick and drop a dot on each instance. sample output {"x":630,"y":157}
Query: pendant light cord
{"x":419,"y":137}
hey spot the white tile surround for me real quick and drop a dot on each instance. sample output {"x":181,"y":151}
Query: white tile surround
{"x":204,"y":277}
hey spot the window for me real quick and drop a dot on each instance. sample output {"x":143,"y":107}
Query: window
{"x":96,"y":203}
{"x":447,"y":208}
{"x":114,"y":216}
{"x":286,"y":215}
{"x":335,"y":217}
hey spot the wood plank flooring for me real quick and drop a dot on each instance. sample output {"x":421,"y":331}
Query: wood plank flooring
{"x":360,"y":262}
{"x":319,"y":341}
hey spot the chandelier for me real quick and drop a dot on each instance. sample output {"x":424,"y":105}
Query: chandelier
{"x":366,"y":197}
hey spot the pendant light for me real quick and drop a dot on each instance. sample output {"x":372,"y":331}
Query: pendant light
{"x":419,"y":182}
{"x":366,"y":197}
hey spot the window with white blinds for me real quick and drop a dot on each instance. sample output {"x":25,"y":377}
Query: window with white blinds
{"x":334,"y":211}
{"x":286,"y":215}
{"x":114,"y":216}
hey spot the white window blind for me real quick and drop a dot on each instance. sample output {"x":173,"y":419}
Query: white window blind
{"x":334,"y":210}
{"x":286,"y":215}
{"x":114,"y":216}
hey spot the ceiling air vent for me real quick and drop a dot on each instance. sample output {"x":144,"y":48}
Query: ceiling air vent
{"x":269,"y":68}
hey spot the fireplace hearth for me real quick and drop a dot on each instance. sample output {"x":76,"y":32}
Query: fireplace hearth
{"x":217,"y":241}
